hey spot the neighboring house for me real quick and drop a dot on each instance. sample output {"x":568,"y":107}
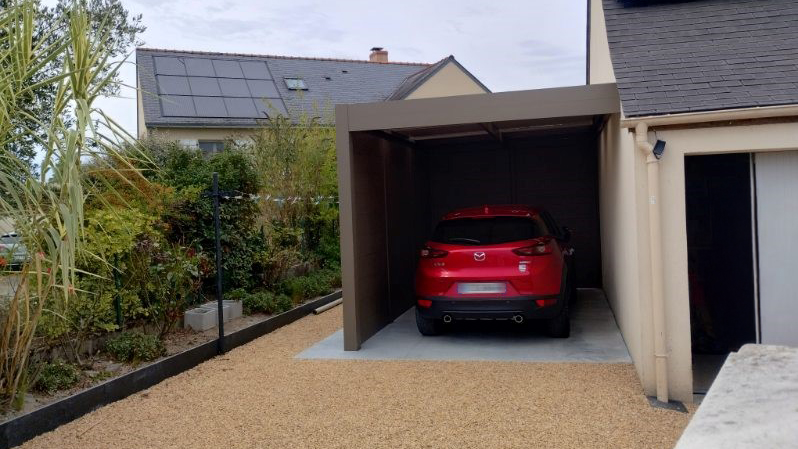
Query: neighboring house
{"x":203,"y":98}
{"x":693,"y":238}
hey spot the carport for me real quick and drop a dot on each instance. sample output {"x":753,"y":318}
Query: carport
{"x":403,"y":164}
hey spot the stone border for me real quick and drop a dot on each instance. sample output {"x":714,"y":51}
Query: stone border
{"x":22,"y":428}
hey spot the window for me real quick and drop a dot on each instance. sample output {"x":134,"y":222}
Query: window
{"x":211,"y":146}
{"x":295,"y":84}
{"x":488,"y":231}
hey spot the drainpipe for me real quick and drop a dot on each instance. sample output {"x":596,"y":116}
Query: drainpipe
{"x":655,"y":250}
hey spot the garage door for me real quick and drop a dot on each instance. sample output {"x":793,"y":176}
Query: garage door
{"x":558,"y":173}
{"x":777,"y":228}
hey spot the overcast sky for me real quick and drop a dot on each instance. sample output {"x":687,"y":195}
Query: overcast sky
{"x":507,"y":44}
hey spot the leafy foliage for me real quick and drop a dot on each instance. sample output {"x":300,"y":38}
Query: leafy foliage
{"x":311,"y":285}
{"x":135,"y":347}
{"x":55,"y":376}
{"x":50,"y":27}
{"x":266,"y":302}
{"x":48,"y":209}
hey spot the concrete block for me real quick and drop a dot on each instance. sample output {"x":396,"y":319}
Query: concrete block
{"x":200,"y":319}
{"x":226,"y":309}
{"x":236,"y":308}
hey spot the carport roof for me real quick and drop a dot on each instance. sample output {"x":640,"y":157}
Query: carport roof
{"x":493,"y":113}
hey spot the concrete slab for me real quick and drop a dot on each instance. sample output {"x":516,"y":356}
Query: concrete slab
{"x":751,"y":404}
{"x":594,"y":338}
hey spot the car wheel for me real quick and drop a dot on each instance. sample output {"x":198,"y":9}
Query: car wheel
{"x":427,"y":326}
{"x":560,"y":327}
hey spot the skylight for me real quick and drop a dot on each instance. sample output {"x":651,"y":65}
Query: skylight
{"x":295,"y":84}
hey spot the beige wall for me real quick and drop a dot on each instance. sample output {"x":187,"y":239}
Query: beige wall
{"x":141,"y":126}
{"x":190,"y":136}
{"x":728,"y":139}
{"x":620,"y":242}
{"x":624,"y":221}
{"x":600,"y":62}
{"x":447,"y":82}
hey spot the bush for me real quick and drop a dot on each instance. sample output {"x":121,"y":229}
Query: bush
{"x":266,"y":302}
{"x":57,"y":375}
{"x":311,"y":285}
{"x":135,"y":346}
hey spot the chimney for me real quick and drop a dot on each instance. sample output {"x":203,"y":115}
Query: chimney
{"x":378,"y":55}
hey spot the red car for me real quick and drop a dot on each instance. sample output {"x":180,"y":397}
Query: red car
{"x":507,"y":262}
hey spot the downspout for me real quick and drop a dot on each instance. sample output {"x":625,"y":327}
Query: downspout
{"x":655,"y":250}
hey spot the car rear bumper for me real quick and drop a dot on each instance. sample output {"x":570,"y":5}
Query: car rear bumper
{"x":492,"y":308}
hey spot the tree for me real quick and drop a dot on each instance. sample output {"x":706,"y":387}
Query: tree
{"x":51,"y":25}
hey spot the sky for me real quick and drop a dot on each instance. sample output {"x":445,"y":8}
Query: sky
{"x":507,"y":44}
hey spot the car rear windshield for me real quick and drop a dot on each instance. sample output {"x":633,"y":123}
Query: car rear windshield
{"x":488,"y":231}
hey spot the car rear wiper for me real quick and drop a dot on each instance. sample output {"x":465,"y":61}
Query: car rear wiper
{"x":464,"y":239}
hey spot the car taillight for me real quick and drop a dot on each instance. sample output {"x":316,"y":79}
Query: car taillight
{"x":432,"y":253}
{"x":425,"y":303}
{"x":541,"y":247}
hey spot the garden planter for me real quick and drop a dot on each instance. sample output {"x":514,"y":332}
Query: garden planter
{"x":200,"y":319}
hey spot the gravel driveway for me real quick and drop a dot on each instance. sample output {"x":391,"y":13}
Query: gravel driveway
{"x":259,"y":395}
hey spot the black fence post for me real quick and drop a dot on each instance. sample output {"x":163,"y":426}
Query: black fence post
{"x":118,"y":295}
{"x":217,"y":230}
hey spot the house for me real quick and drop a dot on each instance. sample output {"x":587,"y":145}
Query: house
{"x":203,"y":98}
{"x":676,"y":166}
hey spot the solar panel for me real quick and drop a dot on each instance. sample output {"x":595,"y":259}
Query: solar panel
{"x":255,"y":70}
{"x":269,"y":107}
{"x":199,"y":67}
{"x":227,"y":69}
{"x":173,"y":85}
{"x":177,"y":106}
{"x":206,"y":87}
{"x":263,"y":89}
{"x":240,"y":107}
{"x":234,"y":87}
{"x":210,"y":107}
{"x":169,"y":66}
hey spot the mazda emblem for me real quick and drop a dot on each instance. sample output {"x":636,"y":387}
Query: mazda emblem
{"x":479,"y":257}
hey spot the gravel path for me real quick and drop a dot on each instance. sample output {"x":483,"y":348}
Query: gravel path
{"x":260,"y":396}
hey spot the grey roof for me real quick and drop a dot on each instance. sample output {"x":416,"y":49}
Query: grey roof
{"x":414,"y":81}
{"x":675,"y":56}
{"x":181,"y":88}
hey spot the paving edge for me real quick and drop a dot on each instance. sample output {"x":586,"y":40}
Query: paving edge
{"x":22,"y":428}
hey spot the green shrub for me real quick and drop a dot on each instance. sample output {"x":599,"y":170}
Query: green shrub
{"x":238,"y":294}
{"x":266,"y":302}
{"x":317,"y":283}
{"x":135,"y":346}
{"x":57,"y":375}
{"x":283,"y":303}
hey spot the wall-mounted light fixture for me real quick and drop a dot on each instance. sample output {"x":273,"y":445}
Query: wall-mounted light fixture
{"x":659,"y":148}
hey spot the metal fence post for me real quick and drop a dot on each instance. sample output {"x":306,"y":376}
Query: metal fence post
{"x":217,"y":230}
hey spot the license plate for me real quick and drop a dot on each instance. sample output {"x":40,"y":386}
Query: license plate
{"x":471,"y":288}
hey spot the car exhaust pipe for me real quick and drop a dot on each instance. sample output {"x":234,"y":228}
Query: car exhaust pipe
{"x":447,"y":319}
{"x":518,"y":319}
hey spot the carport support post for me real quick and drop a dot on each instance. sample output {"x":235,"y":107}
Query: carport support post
{"x":655,"y":250}
{"x":347,"y":232}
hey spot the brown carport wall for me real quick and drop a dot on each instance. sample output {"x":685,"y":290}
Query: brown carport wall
{"x":362,"y":146}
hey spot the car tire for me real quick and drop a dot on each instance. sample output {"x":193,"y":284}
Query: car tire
{"x":560,"y":327}
{"x":427,"y":326}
